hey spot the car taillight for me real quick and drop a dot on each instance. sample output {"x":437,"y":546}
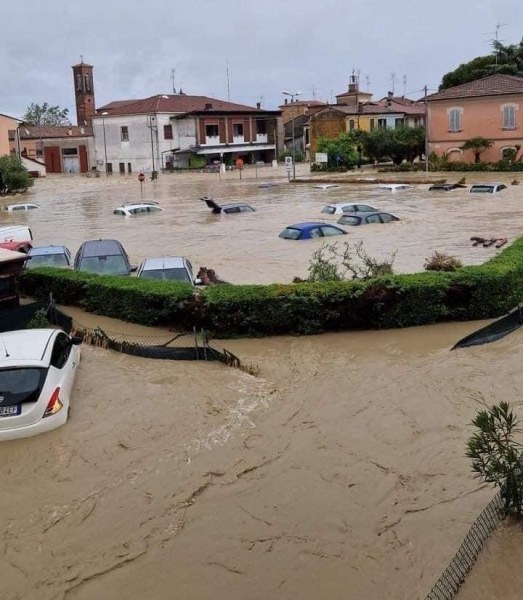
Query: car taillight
{"x":54,"y":404}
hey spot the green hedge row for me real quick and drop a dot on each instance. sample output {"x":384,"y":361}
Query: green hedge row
{"x":470,"y":293}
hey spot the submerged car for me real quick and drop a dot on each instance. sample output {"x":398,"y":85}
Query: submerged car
{"x":307,"y":231}
{"x":445,"y":187}
{"x":104,"y":257}
{"x":487,"y":188}
{"x":168,"y":268}
{"x":346,"y":207}
{"x":21,"y":206}
{"x":394,"y":187}
{"x":228,"y":209}
{"x":137,"y":208}
{"x":366,"y":218}
{"x":49,"y":256}
{"x":37,"y":371}
{"x":326,"y":186}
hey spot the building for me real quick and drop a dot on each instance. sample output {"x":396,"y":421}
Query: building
{"x":487,"y":108}
{"x":178,"y":131}
{"x":8,"y":130}
{"x":355,"y":110}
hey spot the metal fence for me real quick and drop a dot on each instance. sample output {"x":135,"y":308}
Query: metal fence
{"x":454,"y":575}
{"x":179,"y":346}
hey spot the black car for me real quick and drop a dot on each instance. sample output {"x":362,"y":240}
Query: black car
{"x":445,"y":187}
{"x":104,"y":257}
{"x":228,"y":209}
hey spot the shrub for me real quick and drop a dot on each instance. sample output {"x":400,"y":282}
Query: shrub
{"x":440,"y":261}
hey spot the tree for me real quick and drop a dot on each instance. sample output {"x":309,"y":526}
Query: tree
{"x":340,"y":151}
{"x":13,"y":175}
{"x":496,"y":456}
{"x":46,"y":115}
{"x":506,"y":60}
{"x":477,"y":145}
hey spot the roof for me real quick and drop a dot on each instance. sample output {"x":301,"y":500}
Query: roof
{"x":308,"y":225}
{"x":174,"y":103}
{"x":493,"y":85}
{"x":27,"y":344}
{"x":379,"y":108}
{"x":53,"y":131}
{"x":12,"y":118}
{"x":164,"y":262}
{"x":100,"y":248}
{"x":303,"y":103}
{"x":46,"y":250}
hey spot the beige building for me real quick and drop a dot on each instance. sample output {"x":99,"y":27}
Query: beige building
{"x":7,"y":124}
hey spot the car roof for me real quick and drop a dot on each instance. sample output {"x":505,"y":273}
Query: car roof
{"x":24,"y":345}
{"x":45,"y":250}
{"x":100,"y":247}
{"x":341,"y":204}
{"x":486,"y":184}
{"x":163,"y":262}
{"x":309,"y":225}
{"x":233,"y":204}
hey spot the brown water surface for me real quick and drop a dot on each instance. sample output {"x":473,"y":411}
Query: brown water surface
{"x":338,"y":473}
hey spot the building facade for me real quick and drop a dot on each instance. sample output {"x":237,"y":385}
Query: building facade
{"x":8,"y":131}
{"x":488,"y":108}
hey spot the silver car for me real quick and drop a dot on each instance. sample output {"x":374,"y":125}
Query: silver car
{"x":168,"y":268}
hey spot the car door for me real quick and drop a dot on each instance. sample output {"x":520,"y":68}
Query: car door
{"x":329,"y":230}
{"x":373,"y":219}
{"x":65,"y":357}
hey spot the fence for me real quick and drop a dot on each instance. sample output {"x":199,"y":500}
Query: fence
{"x":494,"y":331}
{"x":180,"y":346}
{"x":454,"y":575}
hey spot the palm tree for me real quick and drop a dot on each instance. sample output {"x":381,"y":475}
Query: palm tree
{"x":477,"y":145}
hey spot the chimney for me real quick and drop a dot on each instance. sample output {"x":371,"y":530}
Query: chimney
{"x":258,"y":105}
{"x":353,"y":84}
{"x":360,"y":107}
{"x":286,"y":100}
{"x":208,"y":106}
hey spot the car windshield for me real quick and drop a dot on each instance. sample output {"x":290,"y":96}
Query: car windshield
{"x":167,"y":275}
{"x":289,"y":233}
{"x":47,"y":260}
{"x":482,"y":189}
{"x":21,"y":385}
{"x":329,"y":210}
{"x":349,"y":220}
{"x":108,"y":265}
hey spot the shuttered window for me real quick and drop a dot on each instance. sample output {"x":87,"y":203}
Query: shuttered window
{"x":509,"y":117}
{"x":455,"y":119}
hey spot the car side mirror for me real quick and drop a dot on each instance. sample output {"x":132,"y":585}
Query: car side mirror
{"x":197,"y":281}
{"x":76,"y":340}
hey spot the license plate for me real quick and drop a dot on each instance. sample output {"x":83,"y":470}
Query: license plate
{"x":10,"y":411}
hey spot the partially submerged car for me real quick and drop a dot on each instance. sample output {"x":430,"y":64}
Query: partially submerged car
{"x":104,"y":257}
{"x":487,"y":188}
{"x":228,"y":209}
{"x":346,"y":207}
{"x":168,"y":268}
{"x":366,"y":218}
{"x":445,"y":187}
{"x":21,"y":206}
{"x":326,"y":186}
{"x":16,"y":237}
{"x":394,"y":187}
{"x":37,"y":371}
{"x":49,"y":256}
{"x":137,"y":208}
{"x":307,"y":231}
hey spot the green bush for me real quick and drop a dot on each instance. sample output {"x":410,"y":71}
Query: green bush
{"x":473,"y":292}
{"x":13,"y":175}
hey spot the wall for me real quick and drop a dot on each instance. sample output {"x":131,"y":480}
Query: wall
{"x":481,"y":117}
{"x":6,"y":123}
{"x":329,"y":124}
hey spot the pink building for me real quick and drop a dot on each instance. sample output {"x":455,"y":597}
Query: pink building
{"x":7,"y":124}
{"x":487,"y":108}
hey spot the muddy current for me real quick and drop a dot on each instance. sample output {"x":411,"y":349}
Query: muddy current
{"x":337,"y":472}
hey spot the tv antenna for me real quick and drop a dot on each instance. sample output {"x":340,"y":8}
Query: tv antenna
{"x":173,"y":73}
{"x":367,"y":82}
{"x":393,"y":81}
{"x":404,"y":85}
{"x":496,"y":39}
{"x":228,"y":83}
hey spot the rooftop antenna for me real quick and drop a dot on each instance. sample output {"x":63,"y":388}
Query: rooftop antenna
{"x":313,"y":92}
{"x":228,"y":83}
{"x":497,"y":39}
{"x":173,"y":73}
{"x":367,"y":82}
{"x":404,"y":85}
{"x":393,"y":80}
{"x":81,"y":59}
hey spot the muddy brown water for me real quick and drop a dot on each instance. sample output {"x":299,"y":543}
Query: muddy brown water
{"x":338,"y":473}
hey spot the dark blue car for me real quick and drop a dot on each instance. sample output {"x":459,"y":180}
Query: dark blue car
{"x":307,"y":231}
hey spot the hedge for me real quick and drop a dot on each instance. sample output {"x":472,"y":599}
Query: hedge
{"x":474,"y":292}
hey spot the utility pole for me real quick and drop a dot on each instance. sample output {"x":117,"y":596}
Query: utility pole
{"x":228,"y":83}
{"x":173,"y":71}
{"x":426,"y":131}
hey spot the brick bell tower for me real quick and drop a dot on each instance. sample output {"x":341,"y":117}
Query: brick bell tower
{"x":83,"y":92}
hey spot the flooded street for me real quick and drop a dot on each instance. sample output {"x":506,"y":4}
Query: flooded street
{"x":339,"y":472}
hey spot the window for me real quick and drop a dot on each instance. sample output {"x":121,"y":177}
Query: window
{"x":351,"y":125}
{"x":329,"y":210}
{"x":109,"y":167}
{"x":400,"y":122}
{"x":78,"y":83}
{"x":125,"y":133}
{"x":61,"y":351}
{"x":371,"y":124}
{"x":382,"y":123}
{"x":87,"y":81}
{"x":509,"y":116}
{"x":261,"y":127}
{"x":237,"y":130}
{"x":315,"y":233}
{"x":211,"y":130}
{"x":455,"y":119}
{"x":167,"y":132}
{"x":328,"y":231}
{"x":349,"y":220}
{"x":129,"y":168}
{"x":373,"y":219}
{"x":122,"y":168}
{"x":386,"y":218}
{"x":69,"y":151}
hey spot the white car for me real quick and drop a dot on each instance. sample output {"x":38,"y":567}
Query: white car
{"x":37,"y":370}
{"x":346,"y":207}
{"x":21,"y":206}
{"x":137,"y":208}
{"x":168,"y":268}
{"x":394,"y":187}
{"x":487,"y":188}
{"x":326,"y":186}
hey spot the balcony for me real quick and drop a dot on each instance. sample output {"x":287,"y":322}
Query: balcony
{"x":261,"y":138}
{"x":212,"y":140}
{"x":238,"y":139}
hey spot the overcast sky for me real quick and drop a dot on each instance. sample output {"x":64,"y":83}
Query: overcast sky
{"x":310,"y":46}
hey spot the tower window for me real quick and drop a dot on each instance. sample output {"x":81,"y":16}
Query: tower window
{"x":78,"y":83}
{"x":125,"y":134}
{"x":87,"y":81}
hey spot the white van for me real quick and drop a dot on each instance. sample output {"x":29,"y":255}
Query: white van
{"x":16,"y":233}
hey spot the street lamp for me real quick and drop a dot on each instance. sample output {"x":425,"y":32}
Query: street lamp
{"x":292,"y":95}
{"x":105,"y":143}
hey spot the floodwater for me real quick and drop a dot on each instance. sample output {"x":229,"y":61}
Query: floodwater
{"x":338,"y":472}
{"x":245,"y":248}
